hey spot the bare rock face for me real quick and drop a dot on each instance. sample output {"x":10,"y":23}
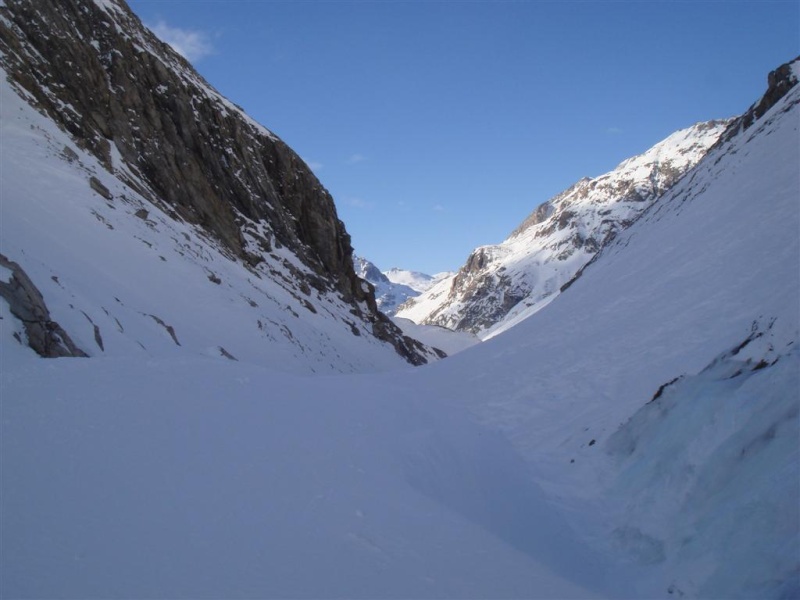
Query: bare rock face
{"x":128,"y":98}
{"x":45,"y":336}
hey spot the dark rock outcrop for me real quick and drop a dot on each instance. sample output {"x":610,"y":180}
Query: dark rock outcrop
{"x":46,"y":337}
{"x":779,"y":82}
{"x":124,"y":95}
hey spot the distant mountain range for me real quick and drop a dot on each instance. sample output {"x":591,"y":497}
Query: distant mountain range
{"x":395,"y":286}
{"x":503,"y":283}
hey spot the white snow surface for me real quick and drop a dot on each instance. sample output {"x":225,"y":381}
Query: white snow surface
{"x":542,"y":463}
{"x":447,"y":340}
{"x":543,"y":254}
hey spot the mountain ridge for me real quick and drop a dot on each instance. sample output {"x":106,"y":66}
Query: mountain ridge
{"x":395,"y":286}
{"x":549,"y":247}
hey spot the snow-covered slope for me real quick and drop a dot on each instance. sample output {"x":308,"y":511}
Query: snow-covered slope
{"x":447,"y":340}
{"x":663,"y":383}
{"x":525,"y":272}
{"x":635,"y":439}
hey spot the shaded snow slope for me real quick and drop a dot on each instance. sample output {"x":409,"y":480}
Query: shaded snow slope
{"x":434,"y":336}
{"x":191,"y":478}
{"x":525,"y":272}
{"x":706,"y":500}
{"x":122,"y":277}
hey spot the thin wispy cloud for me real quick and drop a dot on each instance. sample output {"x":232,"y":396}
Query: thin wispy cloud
{"x":357,"y":202}
{"x":313,"y":165}
{"x":191,"y":44}
{"x":613,"y":130}
{"x":354,"y":159}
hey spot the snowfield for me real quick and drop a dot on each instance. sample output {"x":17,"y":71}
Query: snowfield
{"x":195,"y":478}
{"x":636,"y":438}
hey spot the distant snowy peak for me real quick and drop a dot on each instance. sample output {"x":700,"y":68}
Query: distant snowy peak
{"x":368,"y":271}
{"x":421,"y":282}
{"x":388,"y":294}
{"x":526,"y":271}
{"x":395,"y":286}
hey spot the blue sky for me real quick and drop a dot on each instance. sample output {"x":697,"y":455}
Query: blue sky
{"x":439,"y":125}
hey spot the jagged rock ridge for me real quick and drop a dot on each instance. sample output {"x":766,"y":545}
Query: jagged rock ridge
{"x":526,"y":271}
{"x":138,"y":107}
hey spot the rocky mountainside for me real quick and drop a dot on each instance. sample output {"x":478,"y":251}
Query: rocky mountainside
{"x":148,"y":135}
{"x":524,"y":273}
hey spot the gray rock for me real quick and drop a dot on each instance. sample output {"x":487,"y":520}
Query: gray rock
{"x":45,"y":336}
{"x":98,"y":187}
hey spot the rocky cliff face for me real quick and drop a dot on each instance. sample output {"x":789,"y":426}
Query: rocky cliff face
{"x":152,"y":121}
{"x":501,"y":282}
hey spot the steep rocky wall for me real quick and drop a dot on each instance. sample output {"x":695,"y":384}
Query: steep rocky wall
{"x":140,"y":107}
